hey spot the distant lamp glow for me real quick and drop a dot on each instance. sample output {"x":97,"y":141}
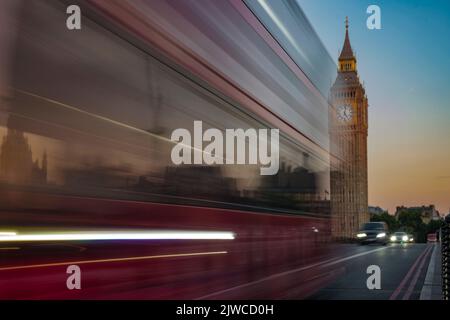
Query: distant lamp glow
{"x":361,"y":235}
{"x":381,"y":235}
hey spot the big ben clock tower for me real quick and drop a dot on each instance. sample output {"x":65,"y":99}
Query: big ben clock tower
{"x":349,"y":128}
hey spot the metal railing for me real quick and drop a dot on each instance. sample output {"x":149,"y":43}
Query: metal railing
{"x":445,"y":248}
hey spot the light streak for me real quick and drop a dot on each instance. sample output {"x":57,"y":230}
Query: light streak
{"x":7,"y":233}
{"x":122,"y":235}
{"x":283,"y":29}
{"x":56,"y":264}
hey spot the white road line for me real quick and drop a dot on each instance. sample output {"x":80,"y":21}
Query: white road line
{"x":328,"y":262}
{"x":353,"y":257}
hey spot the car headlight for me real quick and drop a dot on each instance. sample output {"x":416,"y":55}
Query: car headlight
{"x":361,"y":235}
{"x":411,"y":239}
{"x":393,"y":238}
{"x":405,"y":238}
{"x":381,"y":235}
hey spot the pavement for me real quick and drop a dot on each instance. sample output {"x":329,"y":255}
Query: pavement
{"x":432,"y":287}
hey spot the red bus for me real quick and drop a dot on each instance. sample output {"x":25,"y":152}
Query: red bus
{"x":85,"y":123}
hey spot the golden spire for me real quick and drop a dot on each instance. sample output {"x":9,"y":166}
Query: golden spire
{"x":347,"y":52}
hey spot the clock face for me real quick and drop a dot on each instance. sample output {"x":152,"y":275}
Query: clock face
{"x":345,"y":113}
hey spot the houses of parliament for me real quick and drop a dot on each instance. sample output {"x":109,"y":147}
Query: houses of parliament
{"x":348,"y":137}
{"x":16,"y":160}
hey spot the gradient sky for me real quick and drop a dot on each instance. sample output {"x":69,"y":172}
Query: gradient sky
{"x":406,"y":71}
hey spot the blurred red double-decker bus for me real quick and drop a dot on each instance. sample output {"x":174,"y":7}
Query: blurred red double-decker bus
{"x":86,"y":176}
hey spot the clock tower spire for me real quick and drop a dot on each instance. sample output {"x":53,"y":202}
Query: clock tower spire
{"x":348,"y":130}
{"x":347,"y":59}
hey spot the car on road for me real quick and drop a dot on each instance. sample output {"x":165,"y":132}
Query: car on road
{"x":373,"y":232}
{"x":410,"y":238}
{"x":399,"y":237}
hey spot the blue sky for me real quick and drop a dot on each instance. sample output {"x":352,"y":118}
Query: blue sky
{"x":406,"y":70}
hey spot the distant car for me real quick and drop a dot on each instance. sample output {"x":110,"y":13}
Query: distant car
{"x":373,"y":232}
{"x":431,"y":237}
{"x":399,"y":237}
{"x":410,"y":238}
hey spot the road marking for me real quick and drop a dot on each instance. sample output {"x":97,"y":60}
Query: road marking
{"x":426,"y":292}
{"x":416,"y":276}
{"x":352,"y":257}
{"x":410,"y":272}
{"x":328,"y":262}
{"x":56,"y":264}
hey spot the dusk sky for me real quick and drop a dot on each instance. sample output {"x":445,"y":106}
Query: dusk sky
{"x":406,"y":70}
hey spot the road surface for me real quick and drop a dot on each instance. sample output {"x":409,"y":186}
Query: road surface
{"x":403,"y":269}
{"x":113,"y":270}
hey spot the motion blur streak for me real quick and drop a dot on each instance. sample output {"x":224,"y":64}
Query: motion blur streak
{"x":149,"y":235}
{"x":86,"y":118}
{"x":113,"y":260}
{"x":280,"y":25}
{"x":114,"y":122}
{"x":7,"y":233}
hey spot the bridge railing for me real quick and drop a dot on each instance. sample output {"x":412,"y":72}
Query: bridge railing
{"x":445,"y":248}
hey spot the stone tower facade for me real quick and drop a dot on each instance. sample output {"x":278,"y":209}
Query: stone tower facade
{"x":349,"y":130}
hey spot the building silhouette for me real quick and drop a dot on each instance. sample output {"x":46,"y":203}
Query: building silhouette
{"x":16,"y":160}
{"x":427,"y":213}
{"x":348,"y":136}
{"x":295,"y":188}
{"x":376,"y":211}
{"x":199,"y":181}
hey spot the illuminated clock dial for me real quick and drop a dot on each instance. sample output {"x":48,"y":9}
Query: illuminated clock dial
{"x":345,"y":113}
